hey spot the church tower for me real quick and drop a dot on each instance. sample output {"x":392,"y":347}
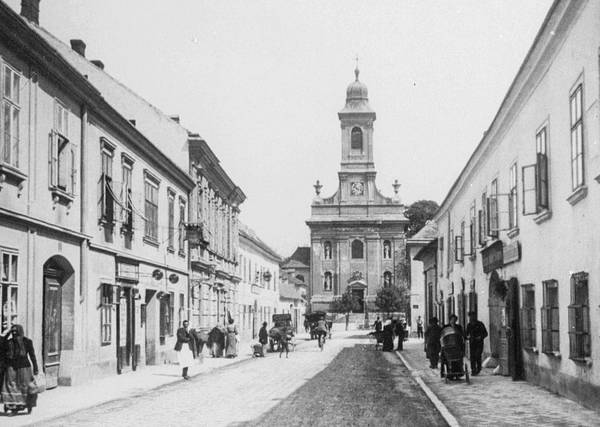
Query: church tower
{"x":357,"y":235}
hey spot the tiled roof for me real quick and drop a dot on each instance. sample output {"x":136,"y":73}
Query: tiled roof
{"x":301,"y":255}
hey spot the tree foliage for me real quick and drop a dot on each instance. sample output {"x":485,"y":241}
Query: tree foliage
{"x":347,"y":303}
{"x":392,"y":299}
{"x":418,"y":214}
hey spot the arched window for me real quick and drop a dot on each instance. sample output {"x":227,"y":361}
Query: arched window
{"x":356,"y":139}
{"x":357,"y":249}
{"x":387,"y":279}
{"x":387,"y":249}
{"x":327,"y":250}
{"x":328,"y":282}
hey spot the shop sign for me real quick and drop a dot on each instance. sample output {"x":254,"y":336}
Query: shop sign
{"x":128,"y":272}
{"x":512,"y":252}
{"x":493,"y":257}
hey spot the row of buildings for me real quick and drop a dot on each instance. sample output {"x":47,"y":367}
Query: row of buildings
{"x":517,"y":237}
{"x":116,"y":222}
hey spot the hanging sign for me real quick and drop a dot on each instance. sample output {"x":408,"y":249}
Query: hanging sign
{"x":493,"y":257}
{"x":511,"y":252}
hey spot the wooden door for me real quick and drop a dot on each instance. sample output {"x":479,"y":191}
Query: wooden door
{"x":359,"y":295}
{"x":498,"y":323}
{"x":52,"y":330}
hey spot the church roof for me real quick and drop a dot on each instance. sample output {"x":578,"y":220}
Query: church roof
{"x":357,"y":97}
{"x":299,"y":259}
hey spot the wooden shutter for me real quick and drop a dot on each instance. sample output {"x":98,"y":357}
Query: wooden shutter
{"x":64,"y":163}
{"x":530,"y":189}
{"x":458,"y":249}
{"x":53,"y":159}
{"x":542,"y":181}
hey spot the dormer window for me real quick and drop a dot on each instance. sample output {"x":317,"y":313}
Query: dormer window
{"x":356,"y":139}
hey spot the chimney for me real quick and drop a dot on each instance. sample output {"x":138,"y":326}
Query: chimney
{"x":30,"y":10}
{"x":98,"y":63}
{"x":175,"y":118}
{"x":78,"y":46}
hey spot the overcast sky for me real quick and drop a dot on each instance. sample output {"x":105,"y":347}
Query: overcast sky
{"x":262,"y":82}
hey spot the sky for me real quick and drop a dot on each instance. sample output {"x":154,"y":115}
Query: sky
{"x":262,"y":82}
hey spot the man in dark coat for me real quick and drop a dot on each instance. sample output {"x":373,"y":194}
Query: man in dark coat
{"x":388,"y":336}
{"x":263,"y":337}
{"x":476,"y":333}
{"x":432,"y":342}
{"x":399,"y":331}
{"x":378,"y":325}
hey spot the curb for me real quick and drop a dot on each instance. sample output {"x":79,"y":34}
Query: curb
{"x":442,"y":409}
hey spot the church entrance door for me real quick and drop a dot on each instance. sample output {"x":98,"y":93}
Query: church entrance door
{"x":359,"y":294}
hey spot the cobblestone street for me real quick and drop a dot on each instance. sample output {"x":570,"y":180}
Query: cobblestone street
{"x":346,"y":384}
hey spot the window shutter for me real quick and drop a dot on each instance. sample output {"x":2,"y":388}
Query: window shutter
{"x":64,"y":164}
{"x":544,"y":313}
{"x":542,"y":181}
{"x":530,"y":190}
{"x":73,"y":171}
{"x":53,"y":159}
{"x":492,"y":216}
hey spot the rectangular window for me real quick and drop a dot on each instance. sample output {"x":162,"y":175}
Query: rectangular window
{"x":107,"y":199}
{"x":441,"y":252}
{"x":576,"y":109}
{"x":171,"y":210}
{"x":126,"y":195}
{"x":181,"y":237}
{"x":528,"y":317}
{"x":483,"y":220}
{"x":9,"y":288}
{"x":459,"y":244}
{"x":472,"y":230}
{"x":542,"y":199}
{"x":492,"y":211}
{"x":151,"y":209}
{"x":579,"y":318}
{"x":550,"y":318}
{"x":9,"y":113}
{"x":61,"y":156}
{"x":512,"y":198}
{"x":166,"y":315}
{"x":106,"y":304}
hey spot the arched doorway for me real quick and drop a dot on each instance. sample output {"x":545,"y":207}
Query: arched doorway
{"x":58,"y":324}
{"x":358,"y":290}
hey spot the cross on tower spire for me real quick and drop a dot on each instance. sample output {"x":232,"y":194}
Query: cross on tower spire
{"x":356,"y":70}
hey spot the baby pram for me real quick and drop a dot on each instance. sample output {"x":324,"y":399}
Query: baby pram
{"x":453,"y":366}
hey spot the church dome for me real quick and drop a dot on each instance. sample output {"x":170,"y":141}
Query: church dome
{"x":357,"y":91}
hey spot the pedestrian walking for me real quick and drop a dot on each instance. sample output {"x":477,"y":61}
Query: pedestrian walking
{"x":306,"y":326}
{"x":388,"y":336}
{"x":399,"y":331}
{"x":19,"y":390}
{"x":284,"y":344}
{"x":476,"y":334}
{"x":419,"y":327}
{"x":185,"y":348}
{"x":432,"y":342}
{"x":378,"y":325}
{"x":263,"y":337}
{"x":232,"y":339}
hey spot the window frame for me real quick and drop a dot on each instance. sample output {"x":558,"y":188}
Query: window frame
{"x":355,"y":147}
{"x":126,"y":194}
{"x":550,"y":334}
{"x":9,"y":285}
{"x":182,"y":222}
{"x":61,"y":155}
{"x":580,"y":348}
{"x":528,"y":320}
{"x":354,"y":251}
{"x":106,"y":317}
{"x":513,"y":203}
{"x":171,"y":220}
{"x":577,"y":129}
{"x":542,"y":172}
{"x":107,"y":194}
{"x":9,"y":153}
{"x":151,"y":208}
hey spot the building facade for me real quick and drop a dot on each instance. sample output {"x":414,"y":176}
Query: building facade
{"x":517,"y":232}
{"x":258,"y":297}
{"x":295,"y":282}
{"x":357,"y":235}
{"x":89,"y":257}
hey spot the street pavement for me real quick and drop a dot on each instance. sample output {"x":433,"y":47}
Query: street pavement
{"x":493,"y":400}
{"x":349,"y":383}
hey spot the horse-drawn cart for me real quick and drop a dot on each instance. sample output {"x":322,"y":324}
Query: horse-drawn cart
{"x":282,"y":326}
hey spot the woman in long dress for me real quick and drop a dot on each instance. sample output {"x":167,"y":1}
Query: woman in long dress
{"x":18,"y":386}
{"x":232,"y":333}
{"x":388,"y":336}
{"x":185,"y":349}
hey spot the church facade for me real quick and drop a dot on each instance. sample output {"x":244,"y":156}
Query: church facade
{"x":357,"y":235}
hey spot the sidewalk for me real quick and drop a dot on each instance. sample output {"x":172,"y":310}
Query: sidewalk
{"x":492,"y":400}
{"x":66,"y":400}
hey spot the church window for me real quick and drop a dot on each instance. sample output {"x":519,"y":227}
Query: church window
{"x":327,"y":250}
{"x":356,"y":139}
{"x":387,"y":249}
{"x":387,"y":279}
{"x":357,"y":249}
{"x":328,"y":282}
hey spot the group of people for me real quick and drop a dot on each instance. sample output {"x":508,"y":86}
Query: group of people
{"x":190,"y":343}
{"x":388,"y":330}
{"x":475,"y":333}
{"x":18,"y":365}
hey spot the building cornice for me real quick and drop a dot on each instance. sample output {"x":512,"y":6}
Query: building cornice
{"x":36,"y":222}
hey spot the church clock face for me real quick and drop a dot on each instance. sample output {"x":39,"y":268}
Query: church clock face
{"x":357,"y":188}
